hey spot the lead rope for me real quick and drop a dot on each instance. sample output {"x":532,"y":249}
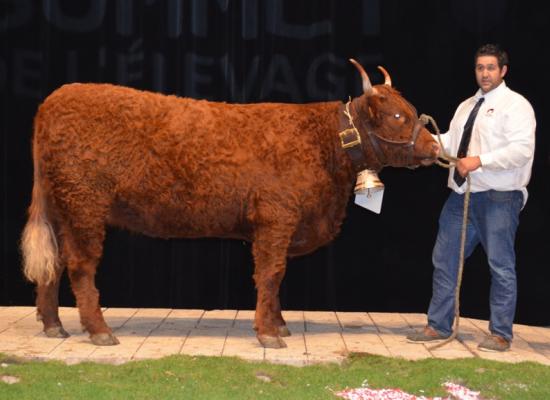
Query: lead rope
{"x":451,"y":163}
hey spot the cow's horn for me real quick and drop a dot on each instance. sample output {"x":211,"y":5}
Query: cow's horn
{"x":387,"y":79}
{"x":367,"y":87}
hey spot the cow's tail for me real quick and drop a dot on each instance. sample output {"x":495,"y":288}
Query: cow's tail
{"x":38,"y":242}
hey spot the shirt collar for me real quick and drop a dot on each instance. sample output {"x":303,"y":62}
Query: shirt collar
{"x":492,"y":94}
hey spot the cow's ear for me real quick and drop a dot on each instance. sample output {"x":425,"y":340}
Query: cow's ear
{"x":377,"y":99}
{"x":375,"y":106}
{"x":372,"y":113}
{"x":372,"y":109}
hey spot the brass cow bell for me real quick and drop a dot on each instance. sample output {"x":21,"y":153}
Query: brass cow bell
{"x":367,"y":183}
{"x":369,"y":191}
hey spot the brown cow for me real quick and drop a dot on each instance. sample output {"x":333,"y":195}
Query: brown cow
{"x":272,"y":174}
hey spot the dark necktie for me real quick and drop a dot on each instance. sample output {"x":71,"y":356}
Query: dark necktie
{"x":465,"y":141}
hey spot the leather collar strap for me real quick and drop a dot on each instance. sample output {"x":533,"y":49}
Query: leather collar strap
{"x":352,"y":143}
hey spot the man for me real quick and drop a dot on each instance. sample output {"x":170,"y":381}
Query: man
{"x":498,"y":160}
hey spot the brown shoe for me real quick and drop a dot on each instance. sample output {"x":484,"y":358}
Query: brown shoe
{"x":494,"y":343}
{"x":426,"y":335}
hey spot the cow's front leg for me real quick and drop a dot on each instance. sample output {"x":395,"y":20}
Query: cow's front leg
{"x":281,"y":323}
{"x":270,"y":252}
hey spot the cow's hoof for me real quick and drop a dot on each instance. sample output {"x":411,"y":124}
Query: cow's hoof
{"x":104,"y":339}
{"x":283,"y":331}
{"x":271,"y":342}
{"x":56,"y":332}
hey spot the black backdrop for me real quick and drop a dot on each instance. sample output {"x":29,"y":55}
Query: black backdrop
{"x":292,"y":51}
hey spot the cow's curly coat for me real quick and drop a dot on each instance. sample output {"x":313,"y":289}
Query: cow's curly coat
{"x":170,"y":167}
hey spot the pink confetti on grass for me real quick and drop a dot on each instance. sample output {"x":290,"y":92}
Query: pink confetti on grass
{"x":460,"y":392}
{"x":456,"y":391}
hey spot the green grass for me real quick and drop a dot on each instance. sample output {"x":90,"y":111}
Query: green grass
{"x":183,"y":377}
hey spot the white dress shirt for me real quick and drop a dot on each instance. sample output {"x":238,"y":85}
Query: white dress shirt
{"x":503,"y":136}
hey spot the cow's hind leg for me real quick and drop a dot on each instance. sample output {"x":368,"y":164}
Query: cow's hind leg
{"x":270,"y":251}
{"x":47,"y":307}
{"x":82,"y":250}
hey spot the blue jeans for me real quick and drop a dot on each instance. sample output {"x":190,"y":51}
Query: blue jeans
{"x":493,"y":219}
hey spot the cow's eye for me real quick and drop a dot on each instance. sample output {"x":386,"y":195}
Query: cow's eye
{"x":397,"y":116}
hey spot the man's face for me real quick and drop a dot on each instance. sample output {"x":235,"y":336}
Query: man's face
{"x":488,"y":74}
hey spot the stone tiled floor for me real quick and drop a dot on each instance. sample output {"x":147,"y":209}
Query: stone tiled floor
{"x":317,"y":337}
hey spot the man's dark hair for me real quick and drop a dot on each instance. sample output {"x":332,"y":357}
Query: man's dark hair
{"x":493,"y":50}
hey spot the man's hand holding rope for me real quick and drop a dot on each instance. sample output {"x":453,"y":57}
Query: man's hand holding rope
{"x":467,"y":164}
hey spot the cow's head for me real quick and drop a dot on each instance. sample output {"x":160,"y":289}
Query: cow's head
{"x":391,"y":133}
